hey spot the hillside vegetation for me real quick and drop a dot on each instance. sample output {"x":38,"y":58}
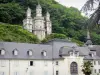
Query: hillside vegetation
{"x":67,"y":21}
{"x":15,"y":33}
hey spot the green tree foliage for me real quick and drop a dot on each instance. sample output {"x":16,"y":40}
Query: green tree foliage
{"x":67,"y":21}
{"x":11,"y":13}
{"x":53,"y":36}
{"x":60,"y":36}
{"x":15,"y":33}
{"x":87,"y":68}
{"x":95,"y":17}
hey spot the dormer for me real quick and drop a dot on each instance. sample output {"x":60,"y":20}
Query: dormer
{"x":71,"y":53}
{"x":44,"y":53}
{"x":2,"y":52}
{"x":30,"y":52}
{"x":76,"y":53}
{"x":15,"y":52}
{"x":92,"y":53}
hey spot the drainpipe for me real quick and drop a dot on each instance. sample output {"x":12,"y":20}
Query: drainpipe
{"x":9,"y":67}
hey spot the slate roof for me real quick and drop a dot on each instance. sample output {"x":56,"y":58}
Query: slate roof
{"x":83,"y":51}
{"x":60,"y":40}
{"x":22,"y":50}
{"x":54,"y":49}
{"x":97,"y":48}
{"x":92,"y":58}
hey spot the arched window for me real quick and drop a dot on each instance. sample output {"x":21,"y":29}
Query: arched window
{"x":2,"y":52}
{"x":44,"y":53}
{"x":73,"y":68}
{"x":30,"y":52}
{"x":15,"y":52}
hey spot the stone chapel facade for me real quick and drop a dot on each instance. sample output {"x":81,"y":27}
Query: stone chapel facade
{"x":39,"y":25}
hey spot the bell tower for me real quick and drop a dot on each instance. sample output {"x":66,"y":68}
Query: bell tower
{"x":48,"y":24}
{"x":39,"y":25}
{"x":38,"y":11}
{"x":28,"y":21}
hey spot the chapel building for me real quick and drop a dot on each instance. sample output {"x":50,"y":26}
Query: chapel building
{"x":39,"y":25}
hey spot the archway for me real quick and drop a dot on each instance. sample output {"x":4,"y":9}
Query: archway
{"x":74,"y":68}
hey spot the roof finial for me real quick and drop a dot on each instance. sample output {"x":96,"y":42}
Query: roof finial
{"x":88,"y":34}
{"x":48,"y":14}
{"x":88,"y":42}
{"x":38,"y":4}
{"x":28,"y":12}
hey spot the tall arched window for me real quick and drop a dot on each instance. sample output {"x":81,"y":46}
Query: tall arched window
{"x":74,"y":68}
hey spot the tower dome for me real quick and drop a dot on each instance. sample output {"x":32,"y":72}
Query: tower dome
{"x":38,"y":6}
{"x":28,"y":13}
{"x":48,"y":16}
{"x":38,"y":10}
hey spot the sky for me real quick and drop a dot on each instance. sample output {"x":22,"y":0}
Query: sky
{"x":75,"y":3}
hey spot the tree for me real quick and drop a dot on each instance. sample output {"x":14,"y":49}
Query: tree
{"x":95,"y":17}
{"x":11,"y":13}
{"x":52,"y":36}
{"x":87,"y":68}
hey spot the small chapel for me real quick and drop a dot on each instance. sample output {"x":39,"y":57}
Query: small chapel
{"x":39,"y":25}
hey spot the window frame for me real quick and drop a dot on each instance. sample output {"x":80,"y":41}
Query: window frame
{"x":76,"y":53}
{"x":2,"y":63}
{"x":45,"y":63}
{"x":28,"y":52}
{"x":71,"y":53}
{"x":2,"y":73}
{"x":2,"y":51}
{"x":57,"y":63}
{"x":31,"y":72}
{"x":95,"y":71}
{"x":94,"y":62}
{"x":98,"y":62}
{"x":15,"y":52}
{"x":74,"y":68}
{"x":99,"y":70}
{"x":31,"y":63}
{"x":45,"y":72}
{"x":44,"y":53}
{"x":57,"y":72}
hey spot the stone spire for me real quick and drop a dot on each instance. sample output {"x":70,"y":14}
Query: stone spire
{"x":28,"y":13}
{"x":88,"y":42}
{"x":28,"y":21}
{"x":39,"y":6}
{"x":48,"y":16}
{"x":39,"y":10}
{"x":48,"y":24}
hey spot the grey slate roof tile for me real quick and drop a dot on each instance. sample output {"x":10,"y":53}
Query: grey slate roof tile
{"x":22,"y":50}
{"x":53,"y":48}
